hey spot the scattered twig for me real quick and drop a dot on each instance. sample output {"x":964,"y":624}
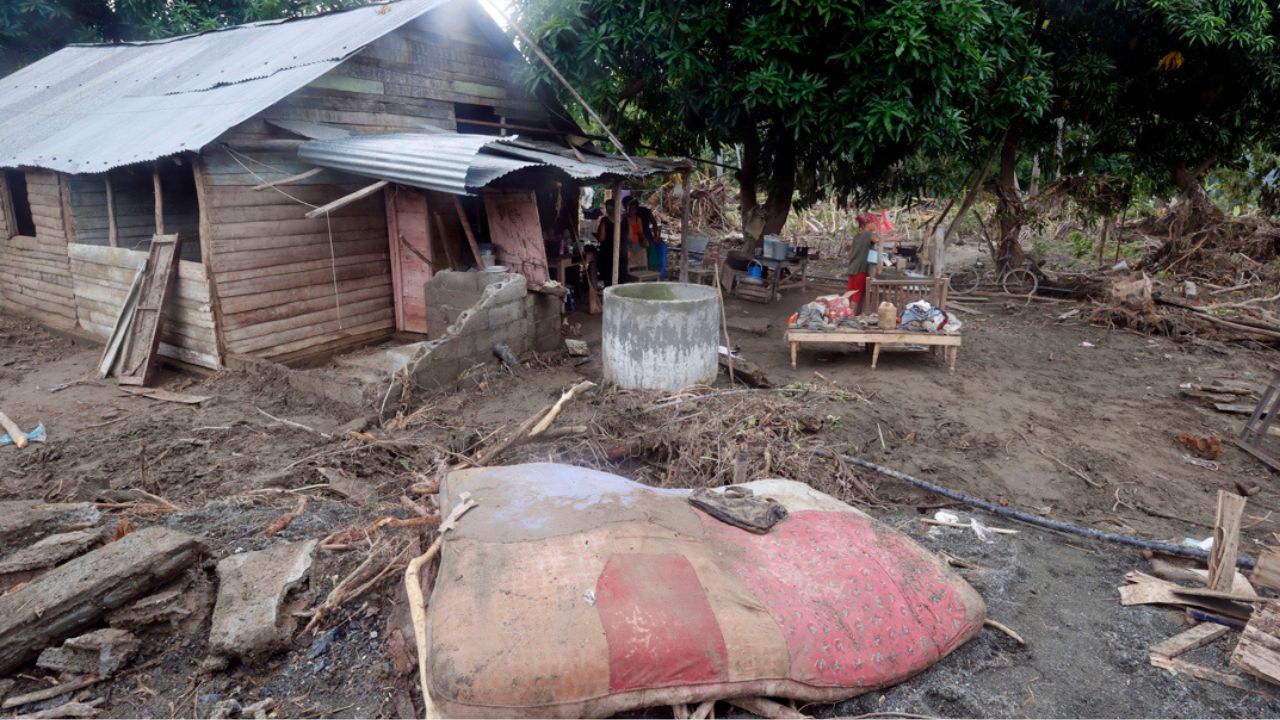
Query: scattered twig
{"x":73,"y":709}
{"x":417,"y":606}
{"x":966,"y":526}
{"x":1074,"y":471}
{"x":551,"y":416}
{"x":49,"y":693}
{"x":298,"y":425}
{"x":1004,"y":629}
{"x":283,"y":521}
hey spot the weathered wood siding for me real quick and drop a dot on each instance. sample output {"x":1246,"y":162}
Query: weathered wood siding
{"x":413,"y":77}
{"x":276,"y":272}
{"x":34,"y":275}
{"x":101,"y":279}
{"x":134,"y":204}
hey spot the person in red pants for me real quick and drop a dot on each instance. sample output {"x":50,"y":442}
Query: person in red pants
{"x":857,"y":270}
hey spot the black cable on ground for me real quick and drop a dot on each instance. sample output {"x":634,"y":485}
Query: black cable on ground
{"x":1038,"y":520}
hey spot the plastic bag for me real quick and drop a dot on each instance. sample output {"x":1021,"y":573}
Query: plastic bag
{"x":37,"y":435}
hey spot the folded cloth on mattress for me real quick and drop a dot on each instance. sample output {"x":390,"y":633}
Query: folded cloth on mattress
{"x":575,"y":593}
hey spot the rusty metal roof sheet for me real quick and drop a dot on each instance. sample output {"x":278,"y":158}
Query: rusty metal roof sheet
{"x":88,"y":108}
{"x":459,"y":163}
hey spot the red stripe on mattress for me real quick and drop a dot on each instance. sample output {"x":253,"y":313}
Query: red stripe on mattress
{"x":859,"y":607}
{"x":659,"y":625}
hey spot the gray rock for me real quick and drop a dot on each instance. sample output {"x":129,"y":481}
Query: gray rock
{"x":101,"y":652}
{"x":69,"y":599}
{"x":23,"y":522}
{"x":225,"y":709}
{"x":247,"y":617}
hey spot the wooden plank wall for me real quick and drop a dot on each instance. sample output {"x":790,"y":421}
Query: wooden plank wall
{"x":272,"y":267}
{"x":34,"y":275}
{"x":134,"y":199}
{"x":413,"y":77}
{"x":101,"y":279}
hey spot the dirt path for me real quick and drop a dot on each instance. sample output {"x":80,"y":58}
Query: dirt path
{"x":1026,"y":388}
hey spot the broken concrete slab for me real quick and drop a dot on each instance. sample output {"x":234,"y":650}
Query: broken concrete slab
{"x":247,"y":617}
{"x":52,"y":550}
{"x":68,"y":599}
{"x":22,"y":522}
{"x":101,"y":652}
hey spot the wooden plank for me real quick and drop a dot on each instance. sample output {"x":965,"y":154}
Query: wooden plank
{"x":166,"y":395}
{"x":1153,"y":591}
{"x":113,"y":233}
{"x":1226,"y":540}
{"x":1200,"y":672}
{"x":466,"y":228}
{"x":319,"y":302}
{"x":300,"y":321}
{"x":282,"y":259}
{"x":120,"y":328}
{"x":516,"y":232}
{"x":1223,"y":595}
{"x":308,"y":335}
{"x":896,"y":337}
{"x":1258,"y":652}
{"x":138,"y":360}
{"x":348,"y":199}
{"x":1188,"y":640}
{"x":268,"y":277}
{"x":1267,"y":572}
{"x":291,"y":179}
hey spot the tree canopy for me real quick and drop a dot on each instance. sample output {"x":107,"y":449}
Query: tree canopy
{"x":823,"y":97}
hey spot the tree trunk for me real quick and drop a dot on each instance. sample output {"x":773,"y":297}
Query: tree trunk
{"x":748,"y":198}
{"x":1009,"y":201}
{"x":1199,"y":205}
{"x":1034,"y":189}
{"x":767,"y":219}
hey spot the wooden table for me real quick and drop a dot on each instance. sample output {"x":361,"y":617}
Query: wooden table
{"x":950,"y":343}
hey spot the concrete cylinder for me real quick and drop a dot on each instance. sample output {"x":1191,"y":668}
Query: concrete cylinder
{"x":661,"y":335}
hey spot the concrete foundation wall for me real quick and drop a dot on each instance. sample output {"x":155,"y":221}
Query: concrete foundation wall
{"x":486,"y":309}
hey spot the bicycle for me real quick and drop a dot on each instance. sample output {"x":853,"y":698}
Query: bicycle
{"x":1015,"y":279}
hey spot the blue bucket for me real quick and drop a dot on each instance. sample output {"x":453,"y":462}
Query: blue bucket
{"x":755,"y":270}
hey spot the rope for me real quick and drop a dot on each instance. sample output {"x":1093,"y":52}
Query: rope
{"x":333,"y":262}
{"x":333,"y":271}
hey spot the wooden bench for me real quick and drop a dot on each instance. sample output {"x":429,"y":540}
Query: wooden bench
{"x":950,"y":343}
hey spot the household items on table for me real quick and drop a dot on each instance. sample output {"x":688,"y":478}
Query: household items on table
{"x":830,"y":319}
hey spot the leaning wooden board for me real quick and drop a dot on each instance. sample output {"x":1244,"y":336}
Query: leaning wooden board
{"x":948,"y":341}
{"x":138,"y":363}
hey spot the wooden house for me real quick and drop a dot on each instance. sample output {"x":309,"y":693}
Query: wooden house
{"x":104,"y":146}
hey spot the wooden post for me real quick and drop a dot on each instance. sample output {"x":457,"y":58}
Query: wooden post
{"x":617,"y":229}
{"x":1226,"y":541}
{"x":113,"y":235}
{"x":466,"y":229}
{"x":684,"y":226}
{"x":155,"y":184}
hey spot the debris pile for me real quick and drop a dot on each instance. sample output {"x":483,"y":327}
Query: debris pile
{"x":1219,"y":600}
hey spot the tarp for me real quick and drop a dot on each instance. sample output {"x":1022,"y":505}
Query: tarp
{"x":573,"y":593}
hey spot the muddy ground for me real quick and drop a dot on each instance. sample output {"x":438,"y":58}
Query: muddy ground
{"x":1029,"y":398}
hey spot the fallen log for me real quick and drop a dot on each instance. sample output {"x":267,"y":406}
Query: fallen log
{"x":69,"y":599}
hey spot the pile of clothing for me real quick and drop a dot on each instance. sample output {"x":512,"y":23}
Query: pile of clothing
{"x":827,"y":313}
{"x":922,"y":316}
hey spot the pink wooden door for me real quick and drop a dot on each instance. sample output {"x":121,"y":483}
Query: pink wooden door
{"x":409,"y":228}
{"x":517,"y":233}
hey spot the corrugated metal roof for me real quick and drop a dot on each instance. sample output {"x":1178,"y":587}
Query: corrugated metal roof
{"x":458,"y":163}
{"x":437,"y":161}
{"x":88,"y":108}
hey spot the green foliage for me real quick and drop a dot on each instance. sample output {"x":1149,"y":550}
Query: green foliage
{"x":1154,"y":92}
{"x":849,"y":93}
{"x":1081,"y":244}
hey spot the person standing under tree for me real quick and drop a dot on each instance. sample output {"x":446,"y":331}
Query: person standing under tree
{"x":858,"y":261}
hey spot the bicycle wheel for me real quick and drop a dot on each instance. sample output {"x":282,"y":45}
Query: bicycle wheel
{"x":1020,"y":281}
{"x":965,"y":282}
